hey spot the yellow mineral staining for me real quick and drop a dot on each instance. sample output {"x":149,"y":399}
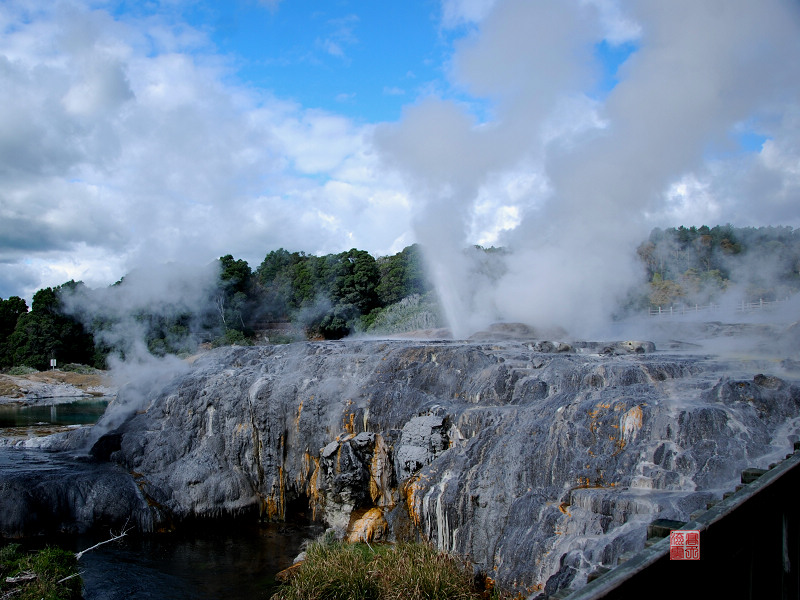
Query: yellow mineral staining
{"x":349,"y":424}
{"x":564,"y":508}
{"x":412,"y":488}
{"x":275,"y":507}
{"x":272,"y":508}
{"x":312,"y":491}
{"x":299,"y":413}
{"x":380,"y":471}
{"x":631,"y":422}
{"x":626,"y":428}
{"x":371,"y":526}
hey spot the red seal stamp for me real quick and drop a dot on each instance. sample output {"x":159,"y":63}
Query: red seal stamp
{"x":684,"y":544}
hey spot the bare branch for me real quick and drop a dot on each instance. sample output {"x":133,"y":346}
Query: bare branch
{"x":68,"y":577}
{"x":114,"y":538}
{"x":10,"y":593}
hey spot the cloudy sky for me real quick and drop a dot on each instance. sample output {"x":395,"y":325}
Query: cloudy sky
{"x":175,"y":130}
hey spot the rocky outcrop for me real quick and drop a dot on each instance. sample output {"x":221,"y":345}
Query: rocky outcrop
{"x":538,"y":461}
{"x":55,"y":492}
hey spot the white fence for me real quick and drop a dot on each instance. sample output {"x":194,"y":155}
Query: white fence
{"x":743,"y":307}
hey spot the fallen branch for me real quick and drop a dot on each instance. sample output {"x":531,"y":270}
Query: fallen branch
{"x":22,"y":577}
{"x":114,"y":538}
{"x":10,"y":593}
{"x":68,"y":577}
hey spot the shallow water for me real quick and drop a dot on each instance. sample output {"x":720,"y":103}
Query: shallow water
{"x":18,"y":421}
{"x":205,"y":563}
{"x":207,"y":560}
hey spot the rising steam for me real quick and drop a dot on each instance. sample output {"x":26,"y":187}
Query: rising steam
{"x":121,"y":318}
{"x":582,"y":173}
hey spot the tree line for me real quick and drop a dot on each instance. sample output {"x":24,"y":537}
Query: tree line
{"x":331,"y":296}
{"x":324,"y":297}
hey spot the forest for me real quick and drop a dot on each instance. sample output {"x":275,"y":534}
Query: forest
{"x":294,"y":295}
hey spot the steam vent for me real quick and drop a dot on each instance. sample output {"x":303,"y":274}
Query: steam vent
{"x":540,"y":461}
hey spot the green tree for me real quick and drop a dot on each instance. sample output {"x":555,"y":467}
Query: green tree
{"x":275,"y":264}
{"x":401,"y":275}
{"x":235,"y":274}
{"x":236,"y":297}
{"x":10,"y":312}
{"x":45,"y":333}
{"x":357,"y":280}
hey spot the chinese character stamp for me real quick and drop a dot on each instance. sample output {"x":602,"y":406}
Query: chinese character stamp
{"x":684,"y":545}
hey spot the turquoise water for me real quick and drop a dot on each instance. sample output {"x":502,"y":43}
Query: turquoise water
{"x":80,"y":412}
{"x":32,"y":421}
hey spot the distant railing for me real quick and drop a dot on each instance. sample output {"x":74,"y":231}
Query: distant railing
{"x":684,"y":309}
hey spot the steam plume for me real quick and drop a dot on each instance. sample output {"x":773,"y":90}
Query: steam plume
{"x":594,"y":168}
{"x":116,"y":317}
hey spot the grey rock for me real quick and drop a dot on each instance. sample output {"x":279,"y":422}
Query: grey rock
{"x":47,"y":493}
{"x":538,"y":464}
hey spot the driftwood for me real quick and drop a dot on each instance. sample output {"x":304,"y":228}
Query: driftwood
{"x":114,"y":537}
{"x":22,"y":577}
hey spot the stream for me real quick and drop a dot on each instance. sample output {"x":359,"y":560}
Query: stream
{"x":207,"y":560}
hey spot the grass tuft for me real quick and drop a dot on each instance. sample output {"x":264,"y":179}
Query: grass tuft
{"x":42,"y":575}
{"x":335,"y":570}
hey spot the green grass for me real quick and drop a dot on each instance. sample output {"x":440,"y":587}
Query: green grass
{"x":49,"y":566}
{"x":335,"y":570}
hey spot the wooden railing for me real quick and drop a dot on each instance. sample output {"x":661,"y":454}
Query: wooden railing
{"x":685,"y":309}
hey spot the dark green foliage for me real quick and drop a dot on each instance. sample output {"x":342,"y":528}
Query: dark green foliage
{"x":237,"y":297}
{"x":231,"y":337}
{"x":46,"y":574}
{"x":46,"y":332}
{"x":401,"y":275}
{"x":356,"y":280}
{"x":235,"y":274}
{"x":276,"y":263}
{"x":10,"y":312}
{"x":333,"y":295}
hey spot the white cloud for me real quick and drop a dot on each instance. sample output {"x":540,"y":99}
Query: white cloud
{"x":619,"y":27}
{"x":122,"y":142}
{"x":465,"y":12}
{"x":393,"y":91}
{"x":341,"y":35}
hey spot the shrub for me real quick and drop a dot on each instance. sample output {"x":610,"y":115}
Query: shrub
{"x":20,"y":371}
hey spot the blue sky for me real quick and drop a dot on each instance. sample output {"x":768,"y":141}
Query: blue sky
{"x":173,"y":130}
{"x":353,"y":57}
{"x":361,"y":59}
